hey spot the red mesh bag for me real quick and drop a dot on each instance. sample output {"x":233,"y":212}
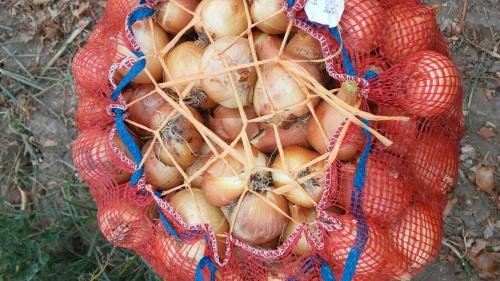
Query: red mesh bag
{"x":387,"y":153}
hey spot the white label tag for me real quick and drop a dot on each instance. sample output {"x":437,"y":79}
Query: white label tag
{"x":326,"y":12}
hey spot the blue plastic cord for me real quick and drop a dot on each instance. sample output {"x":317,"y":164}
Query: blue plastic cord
{"x":291,"y":3}
{"x":165,"y":222}
{"x":137,"y":68}
{"x":138,"y":14}
{"x":345,"y":56}
{"x":205,"y":261}
{"x":326,"y":272}
{"x":129,"y":142}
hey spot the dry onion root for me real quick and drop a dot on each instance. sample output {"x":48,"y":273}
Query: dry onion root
{"x":262,"y":9}
{"x":308,"y":193}
{"x":222,"y":187}
{"x":172,"y":17}
{"x":183,"y":62}
{"x":146,"y":39}
{"x":215,"y":16}
{"x":219,"y":88}
{"x":182,"y":140}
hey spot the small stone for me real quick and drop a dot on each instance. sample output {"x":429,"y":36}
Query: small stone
{"x":488,"y":232}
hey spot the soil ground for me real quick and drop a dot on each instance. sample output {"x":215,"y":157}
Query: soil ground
{"x":47,"y":220}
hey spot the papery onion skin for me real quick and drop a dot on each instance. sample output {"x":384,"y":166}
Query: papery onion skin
{"x":408,"y":29}
{"x":184,"y":61}
{"x":310,"y":192}
{"x":195,"y":209}
{"x":417,"y":235}
{"x":262,"y":9}
{"x":221,"y":18}
{"x":173,"y":18}
{"x":256,"y":222}
{"x":220,"y":185}
{"x":227,"y":123}
{"x":305,"y":46}
{"x":161,"y":176}
{"x":197,"y":165}
{"x":146,"y":41}
{"x":432,"y":85}
{"x":301,"y":215}
{"x":180,"y":137}
{"x":290,"y":135}
{"x":219,"y":88}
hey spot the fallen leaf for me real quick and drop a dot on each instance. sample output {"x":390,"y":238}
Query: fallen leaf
{"x":487,"y":264}
{"x":83,"y":10}
{"x":485,"y":178}
{"x":478,"y":247}
{"x":486,"y":132}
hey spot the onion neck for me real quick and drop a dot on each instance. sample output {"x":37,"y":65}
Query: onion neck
{"x":348,"y":92}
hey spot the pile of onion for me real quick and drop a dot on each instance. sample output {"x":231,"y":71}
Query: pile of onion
{"x":263,"y":10}
{"x":220,"y":18}
{"x":173,"y":16}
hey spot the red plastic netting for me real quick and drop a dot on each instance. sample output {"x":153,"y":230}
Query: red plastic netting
{"x":395,"y":44}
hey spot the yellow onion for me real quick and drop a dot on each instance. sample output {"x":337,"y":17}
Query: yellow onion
{"x":305,"y":46}
{"x":172,"y":252}
{"x":417,"y":235}
{"x":270,"y":245}
{"x":262,"y":9}
{"x":172,"y":17}
{"x":290,"y":133}
{"x":124,"y":224}
{"x":309,"y":192}
{"x":182,"y":62}
{"x":330,"y":120}
{"x":142,"y":110}
{"x":221,"y":18}
{"x":256,"y":222}
{"x":180,"y":137}
{"x":161,"y":176}
{"x":300,"y":215}
{"x":278,"y":90}
{"x":219,"y":88}
{"x":227,"y":123}
{"x":221,"y":186}
{"x":195,"y":209}
{"x":197,"y":165}
{"x":146,"y":41}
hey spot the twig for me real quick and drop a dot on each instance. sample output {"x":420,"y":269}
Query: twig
{"x":65,"y":45}
{"x":489,"y":52}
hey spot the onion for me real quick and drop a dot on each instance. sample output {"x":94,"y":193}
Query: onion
{"x":227,"y":123}
{"x":124,"y":224}
{"x":262,"y":9}
{"x":330,"y":120}
{"x":197,"y":165}
{"x":222,"y":187}
{"x":146,"y":41}
{"x":290,"y":133}
{"x":417,"y":235}
{"x":161,"y":176}
{"x":172,"y":17}
{"x":431,"y":84}
{"x":361,"y":24}
{"x":386,"y":192}
{"x":172,"y":252}
{"x":256,"y":222}
{"x":266,"y":46}
{"x":142,"y":110}
{"x":184,"y":61}
{"x":409,"y":28}
{"x":221,"y":18}
{"x":309,"y":193}
{"x":273,"y":244}
{"x":180,"y":137}
{"x":219,"y":88}
{"x":92,"y":112}
{"x":402,"y":133}
{"x":195,"y":209}
{"x":300,"y":215}
{"x":305,"y":46}
{"x":433,"y":160}
{"x":374,"y":255}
